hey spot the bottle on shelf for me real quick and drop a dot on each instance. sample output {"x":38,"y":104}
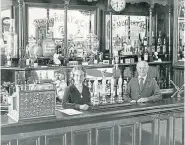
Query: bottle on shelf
{"x":9,"y":61}
{"x":145,"y":42}
{"x":159,"y":42}
{"x":153,"y":42}
{"x":12,"y":40}
{"x":139,"y":56}
{"x":146,"y":54}
{"x":164,"y":46}
{"x":96,"y":58}
{"x":36,"y":62}
{"x":139,"y":40}
{"x":27,"y":59}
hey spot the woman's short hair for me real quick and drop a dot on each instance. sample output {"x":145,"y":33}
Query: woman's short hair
{"x":80,"y":68}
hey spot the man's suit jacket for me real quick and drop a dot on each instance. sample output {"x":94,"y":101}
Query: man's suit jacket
{"x":150,"y":90}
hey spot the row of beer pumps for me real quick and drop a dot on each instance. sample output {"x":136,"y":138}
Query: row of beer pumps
{"x":106,"y":90}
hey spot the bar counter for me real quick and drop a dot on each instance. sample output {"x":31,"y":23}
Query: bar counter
{"x":138,"y":124}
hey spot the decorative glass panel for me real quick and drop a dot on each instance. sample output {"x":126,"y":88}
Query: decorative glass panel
{"x":42,"y":20}
{"x":181,"y":30}
{"x":124,"y":27}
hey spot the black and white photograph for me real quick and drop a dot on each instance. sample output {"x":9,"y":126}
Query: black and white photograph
{"x":92,"y":72}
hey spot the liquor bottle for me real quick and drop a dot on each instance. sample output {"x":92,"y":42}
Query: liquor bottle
{"x":159,"y":43}
{"x":145,"y":42}
{"x":9,"y":61}
{"x":139,"y":56}
{"x":12,"y":40}
{"x":96,"y":58}
{"x":146,"y":54}
{"x":27,"y":59}
{"x":36,"y":62}
{"x":164,"y":46}
{"x":139,"y":41}
{"x":135,"y":48}
{"x":153,"y":42}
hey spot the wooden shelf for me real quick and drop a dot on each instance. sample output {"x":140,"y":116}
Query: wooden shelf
{"x":70,"y":67}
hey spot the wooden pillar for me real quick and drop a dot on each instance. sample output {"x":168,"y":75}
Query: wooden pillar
{"x":98,"y":20}
{"x":156,"y":27}
{"x":129,"y":27}
{"x":47,"y":24}
{"x":0,"y":22}
{"x":170,"y":51}
{"x":150,"y":27}
{"x":110,"y":44}
{"x":21,"y":33}
{"x":175,"y":32}
{"x":65,"y":26}
{"x":169,"y":48}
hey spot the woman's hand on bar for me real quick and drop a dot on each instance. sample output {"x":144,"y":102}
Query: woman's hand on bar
{"x":84,"y":107}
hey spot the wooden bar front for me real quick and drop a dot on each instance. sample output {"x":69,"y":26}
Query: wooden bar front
{"x":159,"y":123}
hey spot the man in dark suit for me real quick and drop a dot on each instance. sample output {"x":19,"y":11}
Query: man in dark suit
{"x":142,"y":88}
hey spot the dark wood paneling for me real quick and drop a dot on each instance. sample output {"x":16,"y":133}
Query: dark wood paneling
{"x":178,"y":131}
{"x":146,"y":133}
{"x":126,"y":134}
{"x":163,"y":132}
{"x":156,"y":131}
{"x":57,"y":139}
{"x":178,"y":77}
{"x":5,"y":143}
{"x":105,"y":136}
{"x":81,"y":137}
{"x":29,"y":141}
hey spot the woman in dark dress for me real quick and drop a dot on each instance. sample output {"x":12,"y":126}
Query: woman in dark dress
{"x":77,"y":95}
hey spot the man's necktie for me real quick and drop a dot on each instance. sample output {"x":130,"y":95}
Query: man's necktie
{"x":141,"y":83}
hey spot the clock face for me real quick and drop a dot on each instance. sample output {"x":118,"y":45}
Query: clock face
{"x":117,"y":5}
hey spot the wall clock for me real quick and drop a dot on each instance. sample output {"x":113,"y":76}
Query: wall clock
{"x":117,"y":5}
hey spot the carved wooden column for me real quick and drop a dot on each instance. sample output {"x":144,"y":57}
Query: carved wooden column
{"x":169,"y":48}
{"x":170,"y":51}
{"x":47,"y":24}
{"x":110,"y":44}
{"x":175,"y":32}
{"x":21,"y":32}
{"x":98,"y":25}
{"x":150,"y":27}
{"x":0,"y":22}
{"x":65,"y":26}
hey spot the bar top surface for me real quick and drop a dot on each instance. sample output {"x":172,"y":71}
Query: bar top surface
{"x":91,"y":116}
